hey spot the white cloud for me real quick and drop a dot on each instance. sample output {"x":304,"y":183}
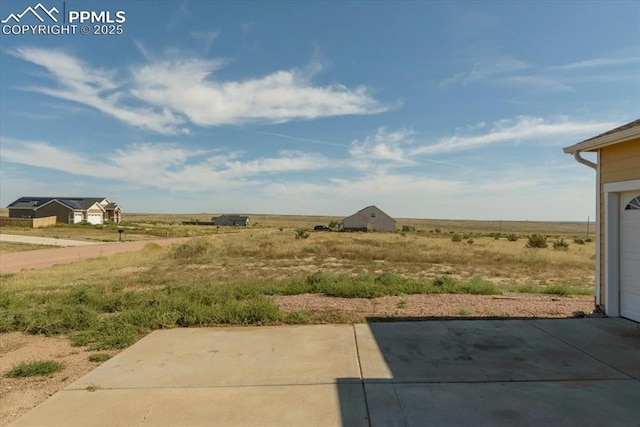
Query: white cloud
{"x":164,"y":165}
{"x":382,"y":150}
{"x":188,"y":88}
{"x":162,"y":96}
{"x":521,"y":128}
{"x":95,"y":88}
{"x":597,"y":62}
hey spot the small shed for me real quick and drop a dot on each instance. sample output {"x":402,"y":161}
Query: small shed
{"x":231,"y":220}
{"x":370,"y":218}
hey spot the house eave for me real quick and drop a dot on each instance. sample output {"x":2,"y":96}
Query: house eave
{"x":604,"y":141}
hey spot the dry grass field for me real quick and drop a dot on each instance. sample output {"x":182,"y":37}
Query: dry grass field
{"x":272,"y":273}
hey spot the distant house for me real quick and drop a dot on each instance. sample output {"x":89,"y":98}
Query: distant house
{"x":370,"y":218}
{"x":617,"y":166}
{"x":67,"y":210}
{"x":231,"y":220}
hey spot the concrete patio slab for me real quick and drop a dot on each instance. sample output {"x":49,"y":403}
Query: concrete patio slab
{"x":523,"y":404}
{"x":471,"y":351}
{"x":440,"y":373}
{"x":208,"y":357}
{"x":413,"y":352}
{"x":615,"y":342}
{"x":301,"y":405}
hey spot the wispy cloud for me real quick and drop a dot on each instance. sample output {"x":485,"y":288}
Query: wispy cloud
{"x":206,"y":38}
{"x":537,"y":82}
{"x":246,"y":28}
{"x":486,"y":70}
{"x":164,"y":96}
{"x":596,"y":63}
{"x":180,"y":14}
{"x":163,"y":165}
{"x":521,"y":128}
{"x":95,"y":88}
{"x":514,"y":72}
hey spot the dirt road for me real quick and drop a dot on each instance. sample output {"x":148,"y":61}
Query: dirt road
{"x":37,"y":240}
{"x":42,"y":258}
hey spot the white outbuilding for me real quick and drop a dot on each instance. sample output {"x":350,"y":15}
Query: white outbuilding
{"x":370,"y":218}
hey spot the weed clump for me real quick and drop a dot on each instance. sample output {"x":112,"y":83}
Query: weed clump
{"x":191,"y":251}
{"x":537,"y":241}
{"x":512,"y":237}
{"x":99,"y":357}
{"x":35,"y":368}
{"x":578,"y":241}
{"x":456,"y":238}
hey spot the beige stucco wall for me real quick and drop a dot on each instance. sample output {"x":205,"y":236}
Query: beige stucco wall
{"x":620,"y":162}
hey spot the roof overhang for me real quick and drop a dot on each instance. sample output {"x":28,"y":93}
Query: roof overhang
{"x":596,"y":143}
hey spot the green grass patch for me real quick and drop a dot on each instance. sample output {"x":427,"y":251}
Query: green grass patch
{"x":371,"y":286}
{"x":99,"y":357}
{"x":561,"y":290}
{"x":115,"y":314}
{"x":35,"y":368}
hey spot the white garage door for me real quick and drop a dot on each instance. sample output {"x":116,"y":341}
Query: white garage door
{"x":630,"y":255}
{"x":94,"y":218}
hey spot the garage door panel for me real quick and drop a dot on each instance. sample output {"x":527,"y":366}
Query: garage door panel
{"x":629,"y":258}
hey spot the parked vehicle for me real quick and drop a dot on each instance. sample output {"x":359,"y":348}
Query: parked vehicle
{"x":321,"y":228}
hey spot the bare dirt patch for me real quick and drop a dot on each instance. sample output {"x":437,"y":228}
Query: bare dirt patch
{"x":19,"y":395}
{"x":357,"y":310}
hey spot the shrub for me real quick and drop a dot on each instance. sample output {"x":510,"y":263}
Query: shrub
{"x":578,"y":241}
{"x":406,"y":228}
{"x":560,"y":245}
{"x":512,"y":237}
{"x":537,"y":241}
{"x":456,"y":238}
{"x":470,"y":241}
{"x":35,"y":368}
{"x":301,"y":233}
{"x":333,"y":224}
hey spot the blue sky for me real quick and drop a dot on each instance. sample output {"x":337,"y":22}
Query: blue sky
{"x":426,"y":109}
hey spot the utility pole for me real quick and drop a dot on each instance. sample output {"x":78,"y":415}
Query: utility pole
{"x":588,"y":220}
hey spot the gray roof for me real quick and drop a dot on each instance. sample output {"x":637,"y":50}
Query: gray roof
{"x":75,"y":203}
{"x":234,"y":217}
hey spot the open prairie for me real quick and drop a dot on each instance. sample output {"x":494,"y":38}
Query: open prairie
{"x":275,"y":271}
